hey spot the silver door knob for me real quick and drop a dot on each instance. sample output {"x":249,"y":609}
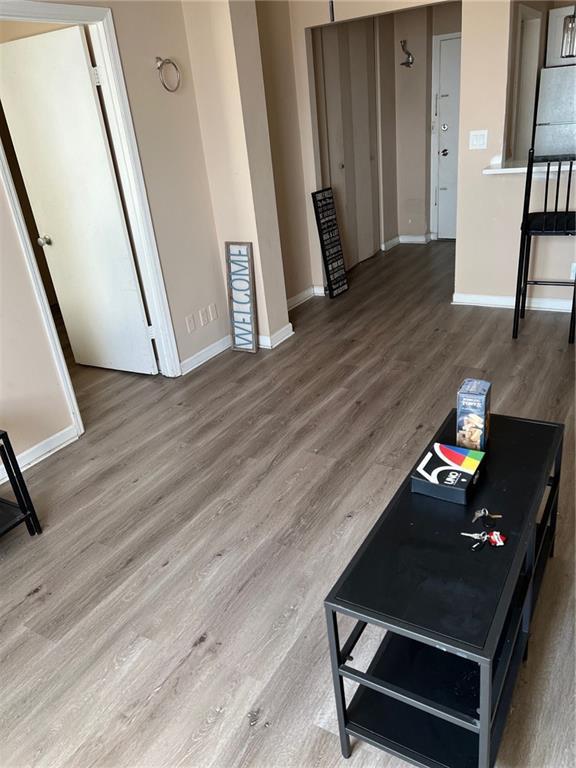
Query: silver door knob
{"x":44,"y":240}
{"x":444,"y":152}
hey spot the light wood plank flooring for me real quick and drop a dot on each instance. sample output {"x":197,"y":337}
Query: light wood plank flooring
{"x":171,"y":613}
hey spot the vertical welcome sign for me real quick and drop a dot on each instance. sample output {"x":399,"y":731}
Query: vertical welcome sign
{"x":242,"y":296}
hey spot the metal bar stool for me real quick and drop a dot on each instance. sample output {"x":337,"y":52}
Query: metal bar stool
{"x":560,"y":221}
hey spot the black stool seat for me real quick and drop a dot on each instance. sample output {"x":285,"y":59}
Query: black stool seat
{"x":546,"y":223}
{"x":551,"y":223}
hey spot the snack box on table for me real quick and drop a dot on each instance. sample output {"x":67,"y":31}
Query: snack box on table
{"x":447,"y":472}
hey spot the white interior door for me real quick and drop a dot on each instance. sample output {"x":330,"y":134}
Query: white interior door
{"x":53,"y":113}
{"x":446,"y":131}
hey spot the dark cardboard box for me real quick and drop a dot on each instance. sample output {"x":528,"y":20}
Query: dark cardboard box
{"x":447,"y":472}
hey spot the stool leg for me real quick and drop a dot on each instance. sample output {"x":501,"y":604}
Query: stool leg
{"x":519,"y":286}
{"x":572,"y":317}
{"x":525,"y":277}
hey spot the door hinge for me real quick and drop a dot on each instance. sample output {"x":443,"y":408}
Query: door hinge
{"x":151,"y":333}
{"x":96,"y":76}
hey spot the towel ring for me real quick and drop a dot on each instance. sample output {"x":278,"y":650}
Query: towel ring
{"x":160,"y":64}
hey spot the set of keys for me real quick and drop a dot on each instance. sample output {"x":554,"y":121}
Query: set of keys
{"x":494,"y":538}
{"x":483,"y":514}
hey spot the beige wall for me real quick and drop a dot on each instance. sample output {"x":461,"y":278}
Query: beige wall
{"x":490,"y":207}
{"x":32,"y":404}
{"x":446,"y":18}
{"x":225,"y":56}
{"x":387,"y":83}
{"x":170,"y":143}
{"x":413,"y":121}
{"x":276,"y":50}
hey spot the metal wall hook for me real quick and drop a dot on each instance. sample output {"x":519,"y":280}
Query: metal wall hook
{"x":160,"y":65}
{"x":409,"y":57}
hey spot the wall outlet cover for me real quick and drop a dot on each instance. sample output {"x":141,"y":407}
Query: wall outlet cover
{"x":478,"y":139}
{"x":203,"y":316}
{"x":190,"y":324}
{"x":212,"y":312}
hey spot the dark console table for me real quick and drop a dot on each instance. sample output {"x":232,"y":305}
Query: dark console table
{"x":439,"y":687}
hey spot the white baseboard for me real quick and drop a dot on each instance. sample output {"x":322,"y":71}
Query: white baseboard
{"x":270,"y":342}
{"x":422,"y":239}
{"x":41,"y":450}
{"x":507,"y":302}
{"x":205,"y":354}
{"x":389,"y":244}
{"x":308,"y":293}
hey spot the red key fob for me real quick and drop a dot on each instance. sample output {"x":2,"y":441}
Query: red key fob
{"x":496,"y":539}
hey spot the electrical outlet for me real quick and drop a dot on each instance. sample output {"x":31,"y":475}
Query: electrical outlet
{"x":573,"y":271}
{"x":212,"y":312}
{"x":190,"y":324}
{"x":203,"y":316}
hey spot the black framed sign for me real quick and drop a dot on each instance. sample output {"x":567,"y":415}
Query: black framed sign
{"x":242,"y":296}
{"x":325,"y":210}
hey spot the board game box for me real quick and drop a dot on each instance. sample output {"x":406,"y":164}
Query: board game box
{"x":473,"y":414}
{"x":447,"y":472}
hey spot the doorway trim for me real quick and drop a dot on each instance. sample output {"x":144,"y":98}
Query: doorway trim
{"x":123,"y":140}
{"x":436,"y":40}
{"x":46,"y":314}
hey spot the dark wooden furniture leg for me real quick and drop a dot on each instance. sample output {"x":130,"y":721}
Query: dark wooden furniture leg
{"x":573,"y":316}
{"x":525,"y":276}
{"x":523,"y":240}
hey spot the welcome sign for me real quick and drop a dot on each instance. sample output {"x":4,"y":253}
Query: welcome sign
{"x":242,"y":296}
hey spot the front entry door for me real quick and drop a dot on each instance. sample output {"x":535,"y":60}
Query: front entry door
{"x":53,"y":113}
{"x":447,"y":105}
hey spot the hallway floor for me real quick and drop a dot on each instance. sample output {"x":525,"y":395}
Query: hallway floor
{"x":171,"y":613}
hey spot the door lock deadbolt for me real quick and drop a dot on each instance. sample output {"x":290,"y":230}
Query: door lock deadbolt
{"x":444,"y":152}
{"x":444,"y":126}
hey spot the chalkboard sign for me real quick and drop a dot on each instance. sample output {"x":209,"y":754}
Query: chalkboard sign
{"x":325,"y":211}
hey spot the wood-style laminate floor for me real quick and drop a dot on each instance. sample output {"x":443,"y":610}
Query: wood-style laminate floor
{"x":171,"y":613}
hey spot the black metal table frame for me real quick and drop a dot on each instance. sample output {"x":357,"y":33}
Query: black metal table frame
{"x":23,"y":510}
{"x":535,"y":546}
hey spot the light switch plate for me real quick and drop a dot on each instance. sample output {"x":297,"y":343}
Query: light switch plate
{"x":478,"y":140}
{"x":203,"y":317}
{"x":190,"y":324}
{"x":212,"y":312}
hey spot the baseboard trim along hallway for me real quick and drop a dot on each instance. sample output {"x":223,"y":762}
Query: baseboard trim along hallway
{"x":307,"y":293}
{"x":205,"y":354}
{"x":41,"y":450}
{"x":507,"y":302}
{"x":264,"y":342}
{"x":270,"y":342}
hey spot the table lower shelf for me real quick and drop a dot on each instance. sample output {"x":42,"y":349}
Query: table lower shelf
{"x":415,"y":735}
{"x":10,"y":516}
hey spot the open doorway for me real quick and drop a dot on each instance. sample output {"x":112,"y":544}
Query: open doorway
{"x":387,"y":107}
{"x":69,"y":158}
